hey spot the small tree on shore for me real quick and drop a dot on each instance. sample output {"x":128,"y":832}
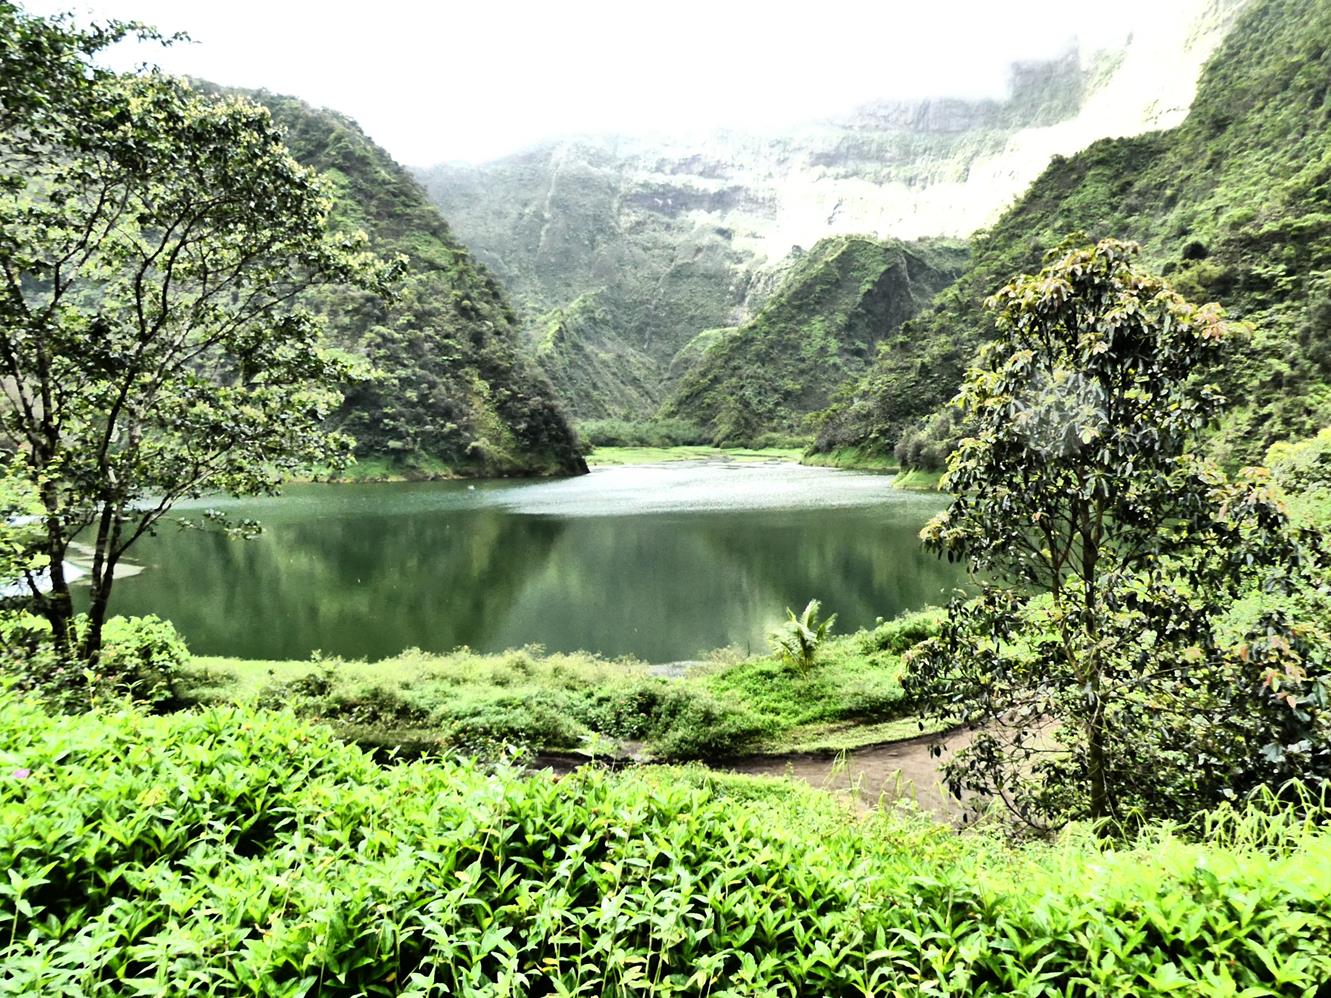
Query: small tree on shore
{"x":1089,"y":665}
{"x":154,"y":245}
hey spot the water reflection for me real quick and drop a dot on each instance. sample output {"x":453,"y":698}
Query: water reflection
{"x":657,"y":563}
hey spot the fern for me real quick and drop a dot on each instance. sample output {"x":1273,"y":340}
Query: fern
{"x":798,"y":639}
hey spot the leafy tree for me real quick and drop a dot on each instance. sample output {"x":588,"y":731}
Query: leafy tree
{"x":1091,"y":664}
{"x":154,"y":245}
{"x":798,"y":639}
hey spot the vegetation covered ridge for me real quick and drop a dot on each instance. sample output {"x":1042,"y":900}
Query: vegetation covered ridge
{"x":233,"y":851}
{"x":1234,"y":206}
{"x":818,"y":328}
{"x":454,"y":393}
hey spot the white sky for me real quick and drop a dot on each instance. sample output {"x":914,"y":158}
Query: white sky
{"x":476,"y":79}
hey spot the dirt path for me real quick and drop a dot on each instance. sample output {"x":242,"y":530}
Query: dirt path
{"x":885,"y":773}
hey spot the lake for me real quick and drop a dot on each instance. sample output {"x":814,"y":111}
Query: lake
{"x":661,"y":562}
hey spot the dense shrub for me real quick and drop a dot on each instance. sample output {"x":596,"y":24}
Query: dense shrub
{"x":642,"y":433}
{"x":903,"y":633}
{"x":235,"y":852}
{"x":492,"y":726}
{"x":141,"y":658}
{"x":690,"y":724}
{"x":489,"y":705}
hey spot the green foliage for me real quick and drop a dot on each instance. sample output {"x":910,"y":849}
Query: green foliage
{"x":492,"y":705}
{"x":819,"y":328}
{"x":141,"y":659}
{"x":1090,"y":665}
{"x":234,"y":851}
{"x":596,"y":373}
{"x":1234,"y":205}
{"x":529,"y":701}
{"x":798,"y":639}
{"x":905,"y":632}
{"x":450,"y":385}
{"x":641,"y":433}
{"x":21,"y":559}
{"x":153,"y":241}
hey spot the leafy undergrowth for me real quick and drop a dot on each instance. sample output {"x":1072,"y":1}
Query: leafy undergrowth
{"x":491,"y":704}
{"x":236,"y":851}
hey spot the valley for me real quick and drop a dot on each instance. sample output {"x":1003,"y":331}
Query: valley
{"x":761,"y":533}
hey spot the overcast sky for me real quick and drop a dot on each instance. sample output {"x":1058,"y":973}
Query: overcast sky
{"x":473,"y":80}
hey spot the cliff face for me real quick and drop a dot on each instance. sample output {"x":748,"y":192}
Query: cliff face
{"x":455,"y":392}
{"x":1233,"y":205}
{"x":676,"y":235}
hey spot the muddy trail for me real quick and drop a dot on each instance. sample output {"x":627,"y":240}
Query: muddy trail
{"x":887,"y":773}
{"x":868,"y":776}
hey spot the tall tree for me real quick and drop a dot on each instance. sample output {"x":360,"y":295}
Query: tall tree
{"x":1089,"y":664}
{"x":154,"y":244}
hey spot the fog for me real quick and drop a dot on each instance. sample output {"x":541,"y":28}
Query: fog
{"x":472,"y":81}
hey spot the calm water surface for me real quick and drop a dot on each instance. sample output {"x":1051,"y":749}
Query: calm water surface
{"x":661,"y":562}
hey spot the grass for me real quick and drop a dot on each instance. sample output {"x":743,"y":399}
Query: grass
{"x":532,"y":701}
{"x":236,"y":851}
{"x":853,"y":458}
{"x":917,"y":480}
{"x":604,"y":457}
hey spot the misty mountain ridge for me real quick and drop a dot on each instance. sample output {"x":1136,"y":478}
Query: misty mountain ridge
{"x":677,"y":236}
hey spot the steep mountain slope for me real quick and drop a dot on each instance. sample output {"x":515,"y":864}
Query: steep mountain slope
{"x":819,"y":328}
{"x":457,"y":395}
{"x":1235,"y":205}
{"x":676,"y":235}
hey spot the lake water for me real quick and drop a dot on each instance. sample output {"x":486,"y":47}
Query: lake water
{"x":662,"y":562}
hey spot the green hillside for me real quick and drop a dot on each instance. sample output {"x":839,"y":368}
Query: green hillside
{"x":1234,"y":205}
{"x":819,"y":328}
{"x":595,"y":372}
{"x":456,"y":395}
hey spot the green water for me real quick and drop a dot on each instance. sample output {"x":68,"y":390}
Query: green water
{"x":660,"y":562}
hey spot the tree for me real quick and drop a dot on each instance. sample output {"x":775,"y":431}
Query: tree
{"x":155,"y":244}
{"x":1090,"y":664}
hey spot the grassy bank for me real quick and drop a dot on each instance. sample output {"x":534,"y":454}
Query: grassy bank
{"x":491,"y":704}
{"x":862,"y":459}
{"x":238,"y":851}
{"x":852,"y":459}
{"x":918,"y":480}
{"x":603,"y":457}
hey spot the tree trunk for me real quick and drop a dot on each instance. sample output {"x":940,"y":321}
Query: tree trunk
{"x":57,"y":606}
{"x":1095,"y":752}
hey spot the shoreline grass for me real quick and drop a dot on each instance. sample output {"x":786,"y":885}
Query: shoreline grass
{"x":608,"y":457}
{"x":488,"y":704}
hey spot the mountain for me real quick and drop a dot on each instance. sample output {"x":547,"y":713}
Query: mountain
{"x":1234,"y":205}
{"x":818,"y":328}
{"x":626,"y":247}
{"x":456,"y":394}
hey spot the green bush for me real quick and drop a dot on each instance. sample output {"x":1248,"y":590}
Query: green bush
{"x":141,"y":658}
{"x":644,"y":433}
{"x":624,"y":710}
{"x":692,"y":725}
{"x":231,"y":852}
{"x":903,"y":633}
{"x":494,"y":726}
